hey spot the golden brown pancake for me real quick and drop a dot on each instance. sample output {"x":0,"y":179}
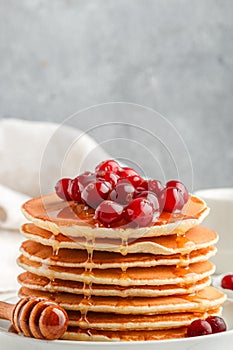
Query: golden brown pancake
{"x":133,"y":276}
{"x":207,"y":298}
{"x":33,"y":281}
{"x":76,"y":333}
{"x":71,"y":219}
{"x":103,"y":260}
{"x":196,"y":238}
{"x":108,"y":321}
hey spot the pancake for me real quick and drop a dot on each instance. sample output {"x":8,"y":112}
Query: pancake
{"x":133,"y":276}
{"x":105,"y":260}
{"x":197,"y":237}
{"x":207,"y":298}
{"x":75,"y":333}
{"x":33,"y":281}
{"x":118,"y":322}
{"x":71,"y":219}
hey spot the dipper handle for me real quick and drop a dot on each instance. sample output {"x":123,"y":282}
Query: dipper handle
{"x":6,"y":310}
{"x":36,"y":317}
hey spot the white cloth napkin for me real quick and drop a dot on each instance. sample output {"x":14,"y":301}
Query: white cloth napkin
{"x":34,"y":155}
{"x":10,"y":202}
{"x":9,"y":251}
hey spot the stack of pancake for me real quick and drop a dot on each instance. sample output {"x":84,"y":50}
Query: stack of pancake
{"x":120,"y":283}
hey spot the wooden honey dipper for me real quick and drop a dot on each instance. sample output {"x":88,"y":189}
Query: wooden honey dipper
{"x":36,"y":317}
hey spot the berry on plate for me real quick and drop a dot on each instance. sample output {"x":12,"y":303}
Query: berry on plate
{"x":217,"y":324}
{"x":213,"y":324}
{"x":199,"y":327}
{"x":227,"y":282}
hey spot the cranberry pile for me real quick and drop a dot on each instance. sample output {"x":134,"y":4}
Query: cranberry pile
{"x":213,"y":324}
{"x":118,"y":193}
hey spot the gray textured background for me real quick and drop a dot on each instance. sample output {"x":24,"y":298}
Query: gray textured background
{"x":175,"y":56}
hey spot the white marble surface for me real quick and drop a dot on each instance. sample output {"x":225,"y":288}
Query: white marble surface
{"x":57,"y":57}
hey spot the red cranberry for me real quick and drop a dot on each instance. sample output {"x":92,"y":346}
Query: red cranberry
{"x":171,"y":199}
{"x":155,"y":186}
{"x":86,"y":178}
{"x":217,"y":324}
{"x":135,"y":180}
{"x":126,"y":172}
{"x":108,"y":165}
{"x":139,"y":212}
{"x":143,"y":186}
{"x":61,"y":188}
{"x":151,"y":197}
{"x":75,"y":189}
{"x":108,"y":212}
{"x":227,"y":282}
{"x":108,"y":176}
{"x":181,"y":187}
{"x":150,"y":185}
{"x":94,"y":193}
{"x":199,"y":327}
{"x":123,"y":193}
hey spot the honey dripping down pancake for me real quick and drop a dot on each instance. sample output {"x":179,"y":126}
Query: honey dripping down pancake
{"x":195,"y":238}
{"x":41,"y":283}
{"x":103,"y":260}
{"x":120,"y":281}
{"x":133,"y":276}
{"x":207,"y":298}
{"x":111,"y":321}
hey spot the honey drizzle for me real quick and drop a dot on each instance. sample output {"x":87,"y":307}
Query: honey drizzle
{"x":45,"y":264}
{"x":55,"y":247}
{"x":182,"y":268}
{"x":182,"y":242}
{"x":124,"y":275}
{"x":55,"y":256}
{"x":124,"y":246}
{"x":87,"y":286}
{"x":195,"y":298}
{"x":124,"y":251}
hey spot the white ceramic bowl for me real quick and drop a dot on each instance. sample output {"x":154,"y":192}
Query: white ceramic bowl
{"x":220,"y":219}
{"x":216,"y":282}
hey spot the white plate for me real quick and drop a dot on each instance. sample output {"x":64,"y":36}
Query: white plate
{"x":10,"y":341}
